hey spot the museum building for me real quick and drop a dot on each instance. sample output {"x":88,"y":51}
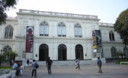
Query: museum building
{"x":61,"y":36}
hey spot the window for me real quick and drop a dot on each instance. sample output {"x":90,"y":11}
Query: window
{"x":7,"y":48}
{"x":111,"y":36}
{"x":8,"y":32}
{"x":61,"y":31}
{"x":78,"y":30}
{"x":43,"y":30}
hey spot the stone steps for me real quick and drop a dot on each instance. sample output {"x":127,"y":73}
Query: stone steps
{"x":82,"y":62}
{"x":69,"y":62}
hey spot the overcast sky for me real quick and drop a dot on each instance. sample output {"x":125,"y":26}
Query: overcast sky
{"x":106,"y":10}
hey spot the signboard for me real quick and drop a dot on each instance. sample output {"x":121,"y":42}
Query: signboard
{"x":29,"y":38}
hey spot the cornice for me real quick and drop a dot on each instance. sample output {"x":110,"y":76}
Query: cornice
{"x":64,"y":38}
{"x":57,"y":14}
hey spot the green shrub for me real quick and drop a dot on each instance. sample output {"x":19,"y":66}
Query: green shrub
{"x":3,"y":67}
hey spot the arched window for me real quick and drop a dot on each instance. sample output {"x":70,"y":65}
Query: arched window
{"x":43,"y":30}
{"x":8,"y":32}
{"x":7,"y":48}
{"x":111,"y":36}
{"x":61,"y":30}
{"x":113,"y":52}
{"x":77,"y":30}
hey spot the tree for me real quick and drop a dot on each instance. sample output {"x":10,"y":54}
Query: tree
{"x":121,"y":26}
{"x":9,"y":56}
{"x":4,"y":5}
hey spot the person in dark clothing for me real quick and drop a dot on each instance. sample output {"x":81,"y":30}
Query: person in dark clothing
{"x":99,"y":63}
{"x":27,"y":61}
{"x":34,"y":69}
{"x":49,"y":64}
{"x":16,"y":66}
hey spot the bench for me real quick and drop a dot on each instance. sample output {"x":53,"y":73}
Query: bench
{"x":123,"y":62}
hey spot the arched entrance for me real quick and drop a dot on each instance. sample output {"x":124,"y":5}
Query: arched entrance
{"x":113,"y":52}
{"x":62,"y":52}
{"x":126,"y":51}
{"x":43,"y":52}
{"x":79,"y":52}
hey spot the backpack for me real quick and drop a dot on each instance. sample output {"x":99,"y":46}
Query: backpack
{"x":36,"y":65}
{"x":49,"y":62}
{"x":99,"y":62}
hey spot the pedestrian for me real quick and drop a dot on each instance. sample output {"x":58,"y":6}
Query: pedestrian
{"x":21,"y":69}
{"x":30,"y":63}
{"x":78,"y":63}
{"x":49,"y":64}
{"x":27,"y":62}
{"x":16,"y":67}
{"x":99,"y":63}
{"x":34,"y":69}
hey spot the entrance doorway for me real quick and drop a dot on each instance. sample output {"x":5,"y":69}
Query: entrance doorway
{"x":62,"y":52}
{"x":79,"y":52}
{"x":43,"y":52}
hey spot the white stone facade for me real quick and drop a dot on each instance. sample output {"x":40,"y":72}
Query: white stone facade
{"x":88,"y":23}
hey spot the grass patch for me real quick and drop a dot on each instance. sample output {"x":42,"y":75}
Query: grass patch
{"x":5,"y":67}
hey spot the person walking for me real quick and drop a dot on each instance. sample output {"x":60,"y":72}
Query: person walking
{"x":49,"y":64}
{"x":99,"y":63}
{"x":16,"y":67}
{"x":78,"y":63}
{"x":27,"y":62}
{"x":34,"y":68}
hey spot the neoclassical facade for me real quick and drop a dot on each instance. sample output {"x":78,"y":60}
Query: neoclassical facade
{"x":62,"y":36}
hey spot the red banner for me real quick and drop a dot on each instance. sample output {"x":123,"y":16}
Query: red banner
{"x":29,"y":38}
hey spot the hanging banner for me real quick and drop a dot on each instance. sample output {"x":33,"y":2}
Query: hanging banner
{"x":98,"y":38}
{"x":29,"y":38}
{"x":96,"y":35}
{"x":94,"y":39}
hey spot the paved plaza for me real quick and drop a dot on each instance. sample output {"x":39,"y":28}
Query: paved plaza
{"x":86,"y":71}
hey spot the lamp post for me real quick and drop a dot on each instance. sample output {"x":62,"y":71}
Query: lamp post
{"x":1,"y":52}
{"x":1,"y":57}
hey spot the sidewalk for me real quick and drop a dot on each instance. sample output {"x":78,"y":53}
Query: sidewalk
{"x":87,"y":71}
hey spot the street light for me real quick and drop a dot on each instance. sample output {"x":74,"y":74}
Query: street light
{"x":1,"y":57}
{"x":1,"y":52}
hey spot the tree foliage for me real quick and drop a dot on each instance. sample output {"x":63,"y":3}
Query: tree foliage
{"x":121,"y":26}
{"x":10,"y":55}
{"x":4,"y":5}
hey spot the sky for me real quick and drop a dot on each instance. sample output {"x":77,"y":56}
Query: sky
{"x":106,"y":10}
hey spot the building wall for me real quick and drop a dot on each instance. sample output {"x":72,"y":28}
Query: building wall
{"x":11,"y":42}
{"x":34,"y":18}
{"x":107,"y":43}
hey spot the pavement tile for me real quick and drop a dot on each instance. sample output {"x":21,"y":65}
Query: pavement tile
{"x":86,"y":71}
